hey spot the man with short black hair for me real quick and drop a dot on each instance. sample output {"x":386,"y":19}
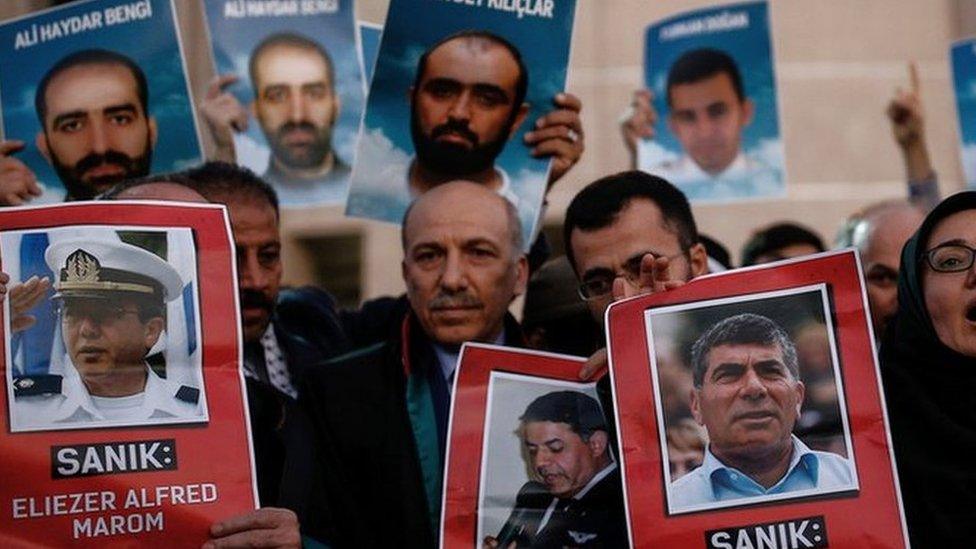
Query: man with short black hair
{"x":577,"y":500}
{"x":780,"y":241}
{"x":626,"y":224}
{"x":748,"y":394}
{"x":466,"y":101}
{"x":708,"y":112}
{"x":95,"y":127}
{"x":296,"y":104}
{"x":284,"y":332}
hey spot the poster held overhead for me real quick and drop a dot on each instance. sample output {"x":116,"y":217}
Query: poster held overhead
{"x":453,"y":96}
{"x":96,"y":92}
{"x":369,"y":40}
{"x":963,"y":58}
{"x":289,"y":96}
{"x":712,"y":77}
{"x":116,"y":411}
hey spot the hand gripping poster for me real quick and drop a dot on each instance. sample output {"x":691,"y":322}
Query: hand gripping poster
{"x":963,"y":57}
{"x":454,"y":95}
{"x":710,"y":74}
{"x":531,"y":459}
{"x":121,"y":385}
{"x":92,"y":93}
{"x":750,"y":411}
{"x":289,"y":93}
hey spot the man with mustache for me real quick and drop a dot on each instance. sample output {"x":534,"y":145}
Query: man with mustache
{"x":296,"y":104}
{"x":747,"y":394}
{"x":379,"y":414}
{"x":467,"y":100}
{"x":95,"y":127}
{"x":284,"y":332}
{"x":577,"y":500}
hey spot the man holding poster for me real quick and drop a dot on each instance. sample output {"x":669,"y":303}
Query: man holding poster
{"x":748,"y":396}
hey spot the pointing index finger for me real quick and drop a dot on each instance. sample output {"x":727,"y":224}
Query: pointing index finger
{"x":913,"y":77}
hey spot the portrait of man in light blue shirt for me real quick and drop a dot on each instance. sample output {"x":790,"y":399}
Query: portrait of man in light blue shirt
{"x":748,"y":395}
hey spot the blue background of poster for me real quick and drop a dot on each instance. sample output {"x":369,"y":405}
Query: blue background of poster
{"x":544,"y":44}
{"x":151,"y":43}
{"x":233,"y":39}
{"x":964,"y":83}
{"x":369,"y":39}
{"x":751,"y":49}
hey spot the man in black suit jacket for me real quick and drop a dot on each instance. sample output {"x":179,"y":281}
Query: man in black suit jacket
{"x":379,"y":414}
{"x":578,"y":501}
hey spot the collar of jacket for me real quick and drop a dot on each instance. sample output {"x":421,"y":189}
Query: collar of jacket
{"x":410,"y":327}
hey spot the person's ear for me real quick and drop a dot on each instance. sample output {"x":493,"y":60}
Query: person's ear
{"x":598,"y":443}
{"x":336,"y":107}
{"x":696,"y":406}
{"x":523,"y":111}
{"x":698,"y":260}
{"x":748,"y":111}
{"x":521,"y":275}
{"x":151,"y":331}
{"x":41,"y":141}
{"x":801,"y":393}
{"x":153,"y":132}
{"x":672,"y":125}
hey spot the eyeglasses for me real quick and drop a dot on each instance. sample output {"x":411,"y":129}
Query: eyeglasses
{"x":600,"y":285}
{"x":950,"y":258}
{"x":100,"y":314}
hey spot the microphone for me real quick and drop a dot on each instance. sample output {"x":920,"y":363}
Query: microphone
{"x":514,"y":528}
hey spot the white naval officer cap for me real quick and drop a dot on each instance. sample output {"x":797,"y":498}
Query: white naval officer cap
{"x":100,"y":268}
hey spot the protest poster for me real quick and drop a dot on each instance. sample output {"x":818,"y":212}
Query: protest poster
{"x":369,"y":40}
{"x":110,"y":80}
{"x":712,"y":77}
{"x":122,"y":385}
{"x":713,"y":378}
{"x":530,"y":457}
{"x":963,"y":60}
{"x":295,"y":68}
{"x":463,"y":116}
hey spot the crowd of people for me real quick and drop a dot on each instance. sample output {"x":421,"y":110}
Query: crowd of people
{"x":350,"y":408}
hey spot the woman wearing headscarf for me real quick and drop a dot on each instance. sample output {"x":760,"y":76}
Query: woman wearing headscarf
{"x":928,"y":362}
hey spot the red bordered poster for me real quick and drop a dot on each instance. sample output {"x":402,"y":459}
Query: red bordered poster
{"x":124,"y":416}
{"x":529,"y":457}
{"x":750,"y":412}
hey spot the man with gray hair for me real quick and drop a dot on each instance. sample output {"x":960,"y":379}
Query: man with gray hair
{"x":747,"y":394}
{"x":879,"y":232}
